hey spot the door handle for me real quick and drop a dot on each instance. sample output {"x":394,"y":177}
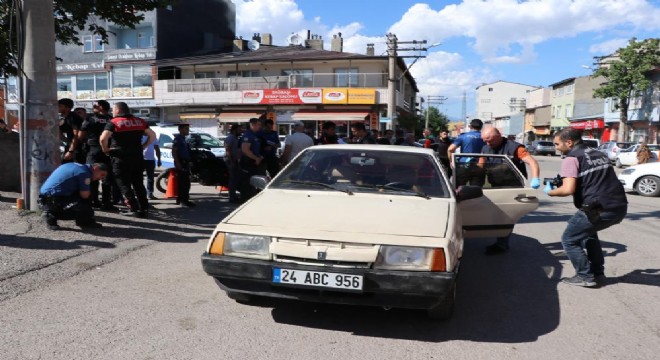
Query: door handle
{"x":525,"y":198}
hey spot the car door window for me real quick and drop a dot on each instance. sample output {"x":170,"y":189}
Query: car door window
{"x":487,"y":171}
{"x":164,"y":139}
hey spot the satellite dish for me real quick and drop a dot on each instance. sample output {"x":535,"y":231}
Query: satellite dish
{"x":253,"y":45}
{"x":294,"y":39}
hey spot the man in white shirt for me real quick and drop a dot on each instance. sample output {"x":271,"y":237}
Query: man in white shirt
{"x":296,"y":142}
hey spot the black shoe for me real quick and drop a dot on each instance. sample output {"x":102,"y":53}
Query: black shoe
{"x":495,"y":249}
{"x":578,"y":281}
{"x":90,"y":225}
{"x":109,"y":207}
{"x":152,"y":197}
{"x":188,"y":204}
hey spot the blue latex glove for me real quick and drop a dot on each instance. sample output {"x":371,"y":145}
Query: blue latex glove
{"x":547,"y":188}
{"x":536,"y":183}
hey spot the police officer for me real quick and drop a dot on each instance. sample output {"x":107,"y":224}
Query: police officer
{"x":496,"y":144}
{"x":122,"y":141}
{"x":270,"y":144}
{"x":90,"y":132}
{"x":251,"y":162}
{"x":469,"y":142}
{"x":70,"y":124}
{"x":65,"y":194}
{"x":600,"y":199}
{"x":181,"y":155}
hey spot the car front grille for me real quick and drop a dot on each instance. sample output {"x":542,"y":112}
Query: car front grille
{"x":324,"y":253}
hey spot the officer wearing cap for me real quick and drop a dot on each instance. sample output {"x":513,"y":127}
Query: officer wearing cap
{"x":65,"y":194}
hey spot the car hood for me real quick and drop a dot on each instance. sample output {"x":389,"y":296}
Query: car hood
{"x":317,"y":213}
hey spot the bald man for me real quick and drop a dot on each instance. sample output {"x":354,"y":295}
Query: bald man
{"x":496,"y":144}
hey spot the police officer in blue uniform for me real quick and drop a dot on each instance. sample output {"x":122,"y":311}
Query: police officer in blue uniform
{"x":181,"y":155}
{"x":588,"y":176}
{"x":270,"y":143}
{"x":467,"y":171}
{"x":65,"y":194}
{"x":251,"y":162}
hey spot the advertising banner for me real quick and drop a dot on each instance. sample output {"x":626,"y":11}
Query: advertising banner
{"x":282,"y":96}
{"x":335,"y":96}
{"x":362,"y":96}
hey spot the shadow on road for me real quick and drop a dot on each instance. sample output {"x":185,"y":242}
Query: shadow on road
{"x":510,"y":298}
{"x":609,"y":249}
{"x":145,"y":230}
{"x":650,"y":277}
{"x":36,"y":243}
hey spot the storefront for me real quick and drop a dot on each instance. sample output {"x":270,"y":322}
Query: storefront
{"x":593,"y":128}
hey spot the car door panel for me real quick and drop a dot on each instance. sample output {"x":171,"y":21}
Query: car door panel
{"x":505,"y":201}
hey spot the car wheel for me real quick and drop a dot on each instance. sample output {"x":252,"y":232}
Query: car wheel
{"x":161,"y":181}
{"x":618,"y":164}
{"x":445,"y":309}
{"x":239,"y":297}
{"x":648,"y":186}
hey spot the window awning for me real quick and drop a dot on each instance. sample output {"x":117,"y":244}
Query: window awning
{"x":186,"y":116}
{"x":330,"y":116}
{"x":232,"y":117}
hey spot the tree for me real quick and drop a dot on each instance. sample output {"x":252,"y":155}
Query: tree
{"x":626,"y":75}
{"x":409,"y":122}
{"x":437,"y":120}
{"x":71,"y":17}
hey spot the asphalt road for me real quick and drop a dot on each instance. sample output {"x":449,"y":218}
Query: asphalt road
{"x":136,"y":290}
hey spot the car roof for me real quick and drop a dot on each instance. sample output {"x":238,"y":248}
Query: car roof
{"x":371,"y":147}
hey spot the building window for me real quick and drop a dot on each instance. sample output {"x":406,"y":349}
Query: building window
{"x":132,"y":81}
{"x":98,"y":43}
{"x":64,"y":88}
{"x":569,"y":89}
{"x":558,"y":112}
{"x":244,"y":73}
{"x":490,"y":89}
{"x":145,"y":40}
{"x":300,"y":78}
{"x":346,"y":77}
{"x":205,"y":75}
{"x":568,"y":110}
{"x":91,"y":86}
{"x":88,"y":43}
{"x":485,"y":101}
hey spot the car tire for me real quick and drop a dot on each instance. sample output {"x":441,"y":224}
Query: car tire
{"x":239,"y":297}
{"x":648,"y":186}
{"x":161,"y":181}
{"x":445,"y":309}
{"x":618,"y":164}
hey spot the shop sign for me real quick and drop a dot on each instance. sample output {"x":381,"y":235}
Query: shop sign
{"x":588,"y":124}
{"x":373,"y":120}
{"x":78,"y":67}
{"x":362,"y":96}
{"x":130,"y":55}
{"x":282,"y":96}
{"x":335,"y":96}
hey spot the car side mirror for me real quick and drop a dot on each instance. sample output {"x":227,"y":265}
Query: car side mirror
{"x":467,"y":192}
{"x":167,"y":145}
{"x":259,"y":181}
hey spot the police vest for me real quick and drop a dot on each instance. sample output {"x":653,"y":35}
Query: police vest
{"x":94,"y":126}
{"x":127,"y":134}
{"x":597,"y":183}
{"x":508,"y":148}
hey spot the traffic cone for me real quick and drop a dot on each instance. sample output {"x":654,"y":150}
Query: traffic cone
{"x":171,"y":186}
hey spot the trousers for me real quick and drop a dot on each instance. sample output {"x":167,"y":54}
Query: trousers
{"x":128,"y":174}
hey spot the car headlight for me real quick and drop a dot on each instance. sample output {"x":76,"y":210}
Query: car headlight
{"x":628,"y":171}
{"x":410,"y":258}
{"x":250,"y":246}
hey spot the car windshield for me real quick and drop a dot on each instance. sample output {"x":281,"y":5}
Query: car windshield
{"x":545,"y":143}
{"x":591,"y":143}
{"x":208,"y":140}
{"x":364,"y":171}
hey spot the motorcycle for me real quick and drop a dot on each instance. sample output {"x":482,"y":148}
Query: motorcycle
{"x":205,"y":169}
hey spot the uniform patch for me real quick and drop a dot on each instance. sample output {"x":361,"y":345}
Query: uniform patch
{"x":88,"y":181}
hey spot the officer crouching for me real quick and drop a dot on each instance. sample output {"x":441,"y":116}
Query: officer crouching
{"x":65,"y":194}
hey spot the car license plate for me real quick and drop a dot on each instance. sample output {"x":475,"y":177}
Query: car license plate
{"x":317,"y":278}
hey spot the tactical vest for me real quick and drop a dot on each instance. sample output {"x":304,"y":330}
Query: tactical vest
{"x":94,"y":127}
{"x":597,"y":183}
{"x":508,"y":148}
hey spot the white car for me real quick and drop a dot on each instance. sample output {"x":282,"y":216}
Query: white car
{"x":644,"y":179}
{"x":375,"y":225}
{"x":628,"y":156}
{"x":165,"y":136}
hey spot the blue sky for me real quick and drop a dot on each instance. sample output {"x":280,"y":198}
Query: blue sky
{"x":534,"y":42}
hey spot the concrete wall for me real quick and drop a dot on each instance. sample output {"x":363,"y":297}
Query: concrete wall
{"x":585,"y":104}
{"x":10,"y":166}
{"x":539,"y":97}
{"x":493,"y":100}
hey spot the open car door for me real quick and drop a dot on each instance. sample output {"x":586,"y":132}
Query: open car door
{"x":506,"y":197}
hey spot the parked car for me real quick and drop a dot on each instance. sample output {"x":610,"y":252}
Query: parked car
{"x":643,"y":179}
{"x":402,"y":262}
{"x":592,"y":143}
{"x":628,"y":156}
{"x":612,"y":148}
{"x":165,"y":136}
{"x":542,"y":148}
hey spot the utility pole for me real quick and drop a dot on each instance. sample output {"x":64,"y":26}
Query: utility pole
{"x":39,"y":132}
{"x":393,"y":79}
{"x":435,"y":99}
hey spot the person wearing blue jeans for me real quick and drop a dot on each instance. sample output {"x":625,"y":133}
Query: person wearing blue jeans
{"x":588,"y":176}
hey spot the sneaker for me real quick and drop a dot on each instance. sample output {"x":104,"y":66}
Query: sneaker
{"x":578,"y":281}
{"x":152,"y":197}
{"x":90,"y":225}
{"x":188,"y":204}
{"x":495,"y":249}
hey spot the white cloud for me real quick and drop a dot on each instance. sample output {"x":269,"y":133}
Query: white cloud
{"x":608,"y":47}
{"x":495,"y":25}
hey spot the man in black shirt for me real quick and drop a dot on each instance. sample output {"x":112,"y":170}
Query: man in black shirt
{"x":70,"y":124}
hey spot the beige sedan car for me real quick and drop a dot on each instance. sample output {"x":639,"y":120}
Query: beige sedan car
{"x":371,"y":225}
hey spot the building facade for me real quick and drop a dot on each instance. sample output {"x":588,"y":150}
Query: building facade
{"x":501,"y":98}
{"x":537,"y":113}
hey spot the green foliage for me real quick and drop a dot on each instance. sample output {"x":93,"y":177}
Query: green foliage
{"x":408,"y":122}
{"x":71,"y":18}
{"x":626,"y":72}
{"x":437,"y":120}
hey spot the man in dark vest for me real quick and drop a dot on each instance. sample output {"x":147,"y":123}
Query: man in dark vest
{"x":588,"y":176}
{"x":496,"y":144}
